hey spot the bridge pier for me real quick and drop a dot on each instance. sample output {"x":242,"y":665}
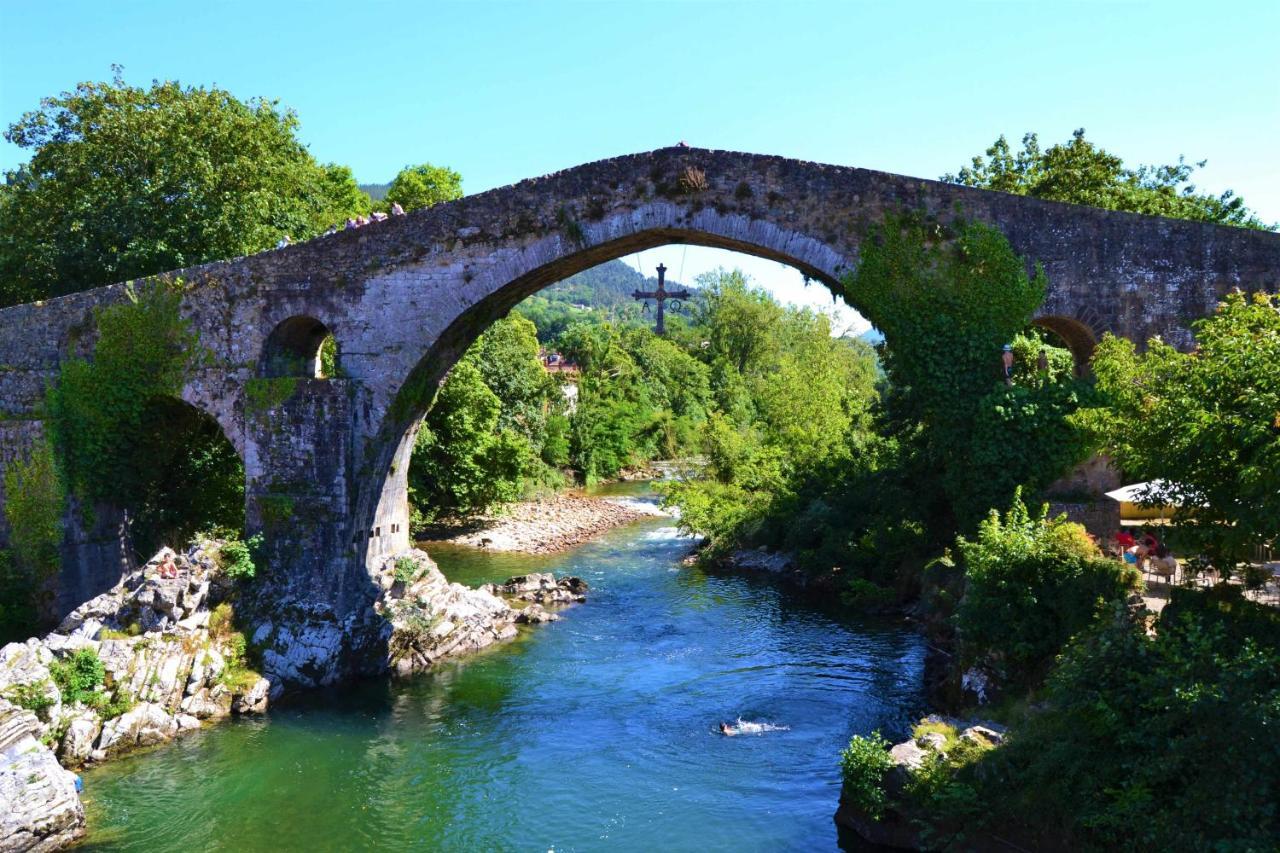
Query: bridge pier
{"x":311,"y":613}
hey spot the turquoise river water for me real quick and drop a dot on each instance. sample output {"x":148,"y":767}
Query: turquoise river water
{"x":593,"y":733}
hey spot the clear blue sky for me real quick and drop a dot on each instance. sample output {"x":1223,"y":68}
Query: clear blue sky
{"x":504,"y":91}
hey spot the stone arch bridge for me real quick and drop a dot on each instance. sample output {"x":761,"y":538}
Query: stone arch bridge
{"x":326,"y":459}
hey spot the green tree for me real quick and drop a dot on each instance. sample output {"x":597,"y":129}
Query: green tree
{"x":127,"y":181}
{"x":739,"y":319}
{"x":462,"y":463}
{"x":507,"y":356}
{"x":97,"y":408}
{"x":1079,"y":172}
{"x":1139,"y":731}
{"x":123,"y":437}
{"x":422,"y":186}
{"x":1205,"y":424}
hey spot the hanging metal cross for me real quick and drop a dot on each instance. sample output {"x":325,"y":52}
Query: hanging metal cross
{"x":661,"y":295}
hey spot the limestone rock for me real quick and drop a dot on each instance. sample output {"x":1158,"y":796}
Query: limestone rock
{"x":186,"y":722}
{"x":536,"y":614}
{"x":254,"y":700}
{"x":25,"y":667}
{"x":208,"y":703}
{"x":77,"y":743}
{"x":544,"y":588}
{"x":983,"y":735}
{"x":39,"y":808}
{"x":932,"y":741}
{"x":144,"y":725}
{"x":431,"y":618}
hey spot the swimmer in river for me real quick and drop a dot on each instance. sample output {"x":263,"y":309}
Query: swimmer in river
{"x":742,"y":727}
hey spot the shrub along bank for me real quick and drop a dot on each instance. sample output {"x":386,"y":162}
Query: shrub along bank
{"x":1140,"y":739}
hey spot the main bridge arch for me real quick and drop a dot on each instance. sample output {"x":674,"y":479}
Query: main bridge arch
{"x":540,"y":265}
{"x":324,"y":457}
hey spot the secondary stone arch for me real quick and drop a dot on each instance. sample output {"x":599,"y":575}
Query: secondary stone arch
{"x":1077,"y":335}
{"x":541,"y":265}
{"x":292,"y":348}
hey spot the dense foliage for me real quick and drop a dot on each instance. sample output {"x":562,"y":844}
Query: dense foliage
{"x":786,"y":399}
{"x":947,"y":299}
{"x":1082,"y":173}
{"x":495,"y":431}
{"x":126,"y":181}
{"x":34,"y":501}
{"x":864,"y":475}
{"x":863,"y":765}
{"x":1205,"y":425}
{"x":1031,"y":584}
{"x":123,"y":438}
{"x":461,"y":462}
{"x":421,"y":186}
{"x":1161,"y":741}
{"x":640,"y":397}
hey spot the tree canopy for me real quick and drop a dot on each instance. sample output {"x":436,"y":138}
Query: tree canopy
{"x":1080,"y":172}
{"x":1206,"y":424}
{"x":126,"y":181}
{"x":422,"y":186}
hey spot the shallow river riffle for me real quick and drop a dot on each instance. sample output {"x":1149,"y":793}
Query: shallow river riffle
{"x":595,"y":732}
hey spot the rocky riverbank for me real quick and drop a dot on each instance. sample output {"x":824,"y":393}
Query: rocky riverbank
{"x":933,"y":742}
{"x":543,"y":526}
{"x":156,"y":656}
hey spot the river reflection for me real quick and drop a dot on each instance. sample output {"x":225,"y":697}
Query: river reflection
{"x":590,"y":733}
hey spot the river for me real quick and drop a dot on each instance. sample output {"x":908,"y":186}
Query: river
{"x":594,"y":732}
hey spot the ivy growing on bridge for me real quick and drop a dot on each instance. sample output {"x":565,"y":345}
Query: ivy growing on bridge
{"x":34,"y":499}
{"x":121,"y":435}
{"x":947,"y":298}
{"x":96,"y":408}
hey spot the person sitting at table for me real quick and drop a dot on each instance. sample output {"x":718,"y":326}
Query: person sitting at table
{"x":1147,"y":543}
{"x":1163,"y":562}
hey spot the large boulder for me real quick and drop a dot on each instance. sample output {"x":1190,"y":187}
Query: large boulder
{"x":543,"y":588}
{"x":39,"y":808}
{"x":145,"y":725}
{"x":253,"y":700}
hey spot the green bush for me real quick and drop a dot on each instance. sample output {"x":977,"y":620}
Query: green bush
{"x":33,"y":697}
{"x":1164,"y":742}
{"x":237,"y":557}
{"x":1031,"y":583}
{"x":863,"y":766}
{"x":407,"y":569}
{"x":78,"y":676}
{"x":33,"y":508}
{"x":862,"y":593}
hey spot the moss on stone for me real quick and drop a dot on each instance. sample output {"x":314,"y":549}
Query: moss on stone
{"x":261,"y":395}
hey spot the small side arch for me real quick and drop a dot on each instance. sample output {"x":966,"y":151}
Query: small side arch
{"x":300,"y":346}
{"x":1078,"y":337}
